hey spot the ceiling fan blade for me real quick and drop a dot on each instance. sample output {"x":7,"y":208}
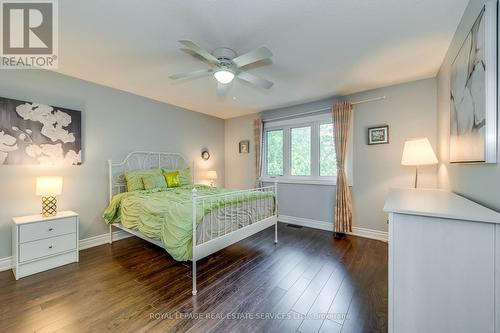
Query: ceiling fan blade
{"x":221,"y":89}
{"x":199,"y":50}
{"x":201,"y":72}
{"x":253,"y":56}
{"x":263,"y":83}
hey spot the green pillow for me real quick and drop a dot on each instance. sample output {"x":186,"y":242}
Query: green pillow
{"x":154,"y":182}
{"x":172,"y":179}
{"x":134,"y":178}
{"x":184,"y":176}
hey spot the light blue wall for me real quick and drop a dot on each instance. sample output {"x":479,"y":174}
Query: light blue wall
{"x":114,"y":123}
{"x":313,"y":202}
{"x":410,"y":111}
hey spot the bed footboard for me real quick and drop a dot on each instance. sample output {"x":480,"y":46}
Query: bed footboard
{"x":258,"y":210}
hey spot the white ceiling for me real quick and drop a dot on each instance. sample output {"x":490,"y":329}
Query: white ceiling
{"x":321,"y":47}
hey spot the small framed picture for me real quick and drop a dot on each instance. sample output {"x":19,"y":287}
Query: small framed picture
{"x":378,"y":135}
{"x":244,"y":147}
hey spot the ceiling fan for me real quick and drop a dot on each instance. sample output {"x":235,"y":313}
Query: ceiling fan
{"x":227,"y":65}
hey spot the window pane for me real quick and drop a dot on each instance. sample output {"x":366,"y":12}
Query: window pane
{"x":275,"y":153}
{"x":301,"y":151}
{"x":327,"y":159}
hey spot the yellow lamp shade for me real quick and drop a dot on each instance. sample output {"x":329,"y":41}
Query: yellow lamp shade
{"x":49,"y":186}
{"x":211,"y":174}
{"x":418,"y":152}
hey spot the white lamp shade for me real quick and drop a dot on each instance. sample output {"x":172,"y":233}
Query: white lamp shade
{"x":211,"y":174}
{"x":49,"y":186}
{"x":418,"y":152}
{"x":224,"y":76}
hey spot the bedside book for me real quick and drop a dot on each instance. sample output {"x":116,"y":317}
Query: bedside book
{"x":42,"y":243}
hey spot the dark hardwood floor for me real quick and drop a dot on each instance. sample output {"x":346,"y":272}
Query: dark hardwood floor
{"x":133,"y":286}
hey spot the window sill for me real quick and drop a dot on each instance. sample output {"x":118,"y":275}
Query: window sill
{"x":322,"y":182}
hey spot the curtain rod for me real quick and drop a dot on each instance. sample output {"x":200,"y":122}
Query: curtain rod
{"x":369,"y":100}
{"x":328,"y":108}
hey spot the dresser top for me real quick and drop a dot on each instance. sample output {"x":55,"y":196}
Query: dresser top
{"x":438,"y":203}
{"x":40,"y":218}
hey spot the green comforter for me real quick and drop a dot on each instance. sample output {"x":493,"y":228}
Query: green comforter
{"x":167,"y":214}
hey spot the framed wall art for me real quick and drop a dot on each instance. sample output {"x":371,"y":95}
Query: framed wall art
{"x":473,"y":95}
{"x":33,"y":133}
{"x":244,"y":147}
{"x":378,"y":135}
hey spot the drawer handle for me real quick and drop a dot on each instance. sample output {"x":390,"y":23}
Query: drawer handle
{"x":50,"y":246}
{"x":51,"y":229}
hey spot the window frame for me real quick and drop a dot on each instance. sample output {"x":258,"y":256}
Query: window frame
{"x":286,"y":125}
{"x":319,"y":148}
{"x":311,"y":159}
{"x":265,"y":152}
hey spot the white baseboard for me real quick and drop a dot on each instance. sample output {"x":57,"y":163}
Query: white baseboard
{"x":6,"y":263}
{"x":306,"y":222}
{"x":102,"y":239}
{"x":370,"y":233}
{"x":356,"y":231}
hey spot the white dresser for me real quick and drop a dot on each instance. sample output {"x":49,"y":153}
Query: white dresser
{"x":41,"y":243}
{"x":444,"y":263}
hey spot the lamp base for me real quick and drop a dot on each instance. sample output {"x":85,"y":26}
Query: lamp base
{"x":49,"y":206}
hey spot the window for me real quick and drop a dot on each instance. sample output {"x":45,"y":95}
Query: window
{"x":301,"y":150}
{"x":327,"y":157}
{"x":274,"y":141}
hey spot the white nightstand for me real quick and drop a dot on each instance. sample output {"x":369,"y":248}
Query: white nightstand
{"x":42,"y":243}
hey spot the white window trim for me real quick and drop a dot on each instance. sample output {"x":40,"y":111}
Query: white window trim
{"x":315,"y":178}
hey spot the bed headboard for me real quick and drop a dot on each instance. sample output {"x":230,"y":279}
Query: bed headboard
{"x":139,"y":160}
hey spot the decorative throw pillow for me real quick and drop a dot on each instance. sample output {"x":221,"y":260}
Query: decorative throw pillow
{"x":134,"y":178}
{"x":184,"y":176}
{"x":154,"y":182}
{"x":172,"y":179}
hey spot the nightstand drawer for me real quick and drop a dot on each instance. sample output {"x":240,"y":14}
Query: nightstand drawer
{"x":35,"y":231}
{"x":46,"y":247}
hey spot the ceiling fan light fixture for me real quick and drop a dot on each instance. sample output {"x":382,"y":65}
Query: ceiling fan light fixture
{"x":226,"y":64}
{"x":224,"y":76}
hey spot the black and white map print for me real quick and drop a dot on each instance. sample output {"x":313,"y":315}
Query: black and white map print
{"x":32,"y":133}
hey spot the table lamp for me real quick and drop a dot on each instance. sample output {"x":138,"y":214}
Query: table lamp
{"x":418,"y":152}
{"x":212,"y":176}
{"x":48,"y":188}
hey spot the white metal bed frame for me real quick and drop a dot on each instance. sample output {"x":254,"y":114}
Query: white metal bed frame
{"x":149,"y":160}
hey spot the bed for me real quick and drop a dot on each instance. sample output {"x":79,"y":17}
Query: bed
{"x":191,"y":221}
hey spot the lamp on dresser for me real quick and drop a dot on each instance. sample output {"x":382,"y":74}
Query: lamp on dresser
{"x":48,"y":188}
{"x":418,"y":152}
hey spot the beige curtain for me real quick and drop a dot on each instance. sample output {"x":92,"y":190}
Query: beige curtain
{"x":342,"y":115}
{"x":257,"y":139}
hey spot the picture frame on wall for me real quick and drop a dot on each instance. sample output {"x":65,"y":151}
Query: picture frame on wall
{"x":244,"y":147}
{"x":473,"y":92}
{"x":378,"y":135}
{"x":33,"y":133}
